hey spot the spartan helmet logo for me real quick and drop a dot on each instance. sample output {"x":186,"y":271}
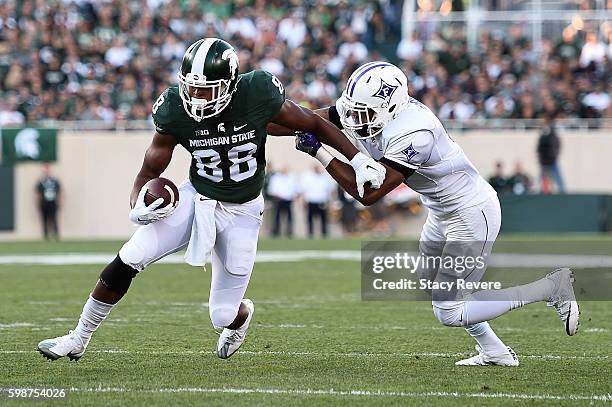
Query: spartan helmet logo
{"x":385,"y":91}
{"x":221,"y":128}
{"x":230,"y":54}
{"x":26,"y":144}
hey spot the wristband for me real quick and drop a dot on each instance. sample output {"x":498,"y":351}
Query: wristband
{"x":324,"y":156}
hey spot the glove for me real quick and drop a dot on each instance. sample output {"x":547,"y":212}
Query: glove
{"x":141,"y":214}
{"x":307,"y":142}
{"x":367,"y":170}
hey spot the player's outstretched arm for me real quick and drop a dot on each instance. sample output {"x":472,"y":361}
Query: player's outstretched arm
{"x":294,"y":117}
{"x":345,"y":177}
{"x":344,"y":174}
{"x":156,"y":160}
{"x":298,"y":118}
{"x":274,"y":129}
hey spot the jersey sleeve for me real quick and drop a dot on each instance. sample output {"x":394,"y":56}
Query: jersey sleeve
{"x":163,"y":112}
{"x":410,"y":150}
{"x":267,"y":95}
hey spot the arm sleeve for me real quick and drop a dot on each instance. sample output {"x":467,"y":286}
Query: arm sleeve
{"x":411,"y":150}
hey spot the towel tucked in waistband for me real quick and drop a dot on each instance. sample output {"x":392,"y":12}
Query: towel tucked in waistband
{"x":203,"y":231}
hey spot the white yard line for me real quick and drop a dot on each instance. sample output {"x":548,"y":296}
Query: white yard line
{"x":265,"y":256}
{"x":15,"y":325}
{"x":349,"y":393}
{"x":104,"y":258}
{"x":324,"y":355}
{"x":61,"y":322}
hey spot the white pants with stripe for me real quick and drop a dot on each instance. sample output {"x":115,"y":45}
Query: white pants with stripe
{"x":466,"y":232}
{"x":233,"y":257}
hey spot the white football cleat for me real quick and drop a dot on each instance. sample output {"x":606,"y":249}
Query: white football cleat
{"x":68,"y":345}
{"x":231,"y":339}
{"x":564,"y":299}
{"x":482,"y":359}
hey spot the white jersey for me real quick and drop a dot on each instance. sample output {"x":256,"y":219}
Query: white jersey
{"x":443,"y":175}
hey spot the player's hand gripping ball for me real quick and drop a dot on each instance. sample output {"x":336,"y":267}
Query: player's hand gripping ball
{"x":161,"y":188}
{"x":156,"y":200}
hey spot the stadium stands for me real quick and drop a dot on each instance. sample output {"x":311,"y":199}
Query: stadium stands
{"x":105,"y":62}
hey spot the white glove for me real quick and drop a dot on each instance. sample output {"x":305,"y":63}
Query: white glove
{"x":367,"y":170}
{"x":141,"y":214}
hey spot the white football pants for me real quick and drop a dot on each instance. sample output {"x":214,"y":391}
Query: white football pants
{"x":466,"y":232}
{"x":233,"y":255}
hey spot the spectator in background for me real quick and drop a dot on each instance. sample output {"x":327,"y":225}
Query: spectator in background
{"x":497,"y":180}
{"x":268,"y":174}
{"x":352,"y":50}
{"x":568,"y":48}
{"x":292,"y":29}
{"x":119,"y":54}
{"x":348,"y":211}
{"x":9,"y":112}
{"x":316,"y":189}
{"x":409,"y":49}
{"x":283,"y":189}
{"x":593,"y":51}
{"x":549,"y":147}
{"x":519,"y":183}
{"x":597,"y":102}
{"x":49,"y":198}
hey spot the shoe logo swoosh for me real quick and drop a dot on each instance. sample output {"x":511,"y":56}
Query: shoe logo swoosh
{"x":239,"y":127}
{"x":369,"y":167}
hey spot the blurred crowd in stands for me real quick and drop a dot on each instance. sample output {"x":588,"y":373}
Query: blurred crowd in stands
{"x":108,"y":60}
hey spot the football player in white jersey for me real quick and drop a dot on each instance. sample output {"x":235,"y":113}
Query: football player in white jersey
{"x":464,"y":211}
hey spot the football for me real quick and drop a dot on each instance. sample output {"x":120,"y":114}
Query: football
{"x":161,"y":188}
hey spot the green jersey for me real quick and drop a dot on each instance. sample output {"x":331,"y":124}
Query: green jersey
{"x":228,"y":150}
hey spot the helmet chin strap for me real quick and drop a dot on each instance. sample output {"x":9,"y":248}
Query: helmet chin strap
{"x":215,"y":109}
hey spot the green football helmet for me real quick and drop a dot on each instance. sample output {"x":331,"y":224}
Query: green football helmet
{"x":208,"y":63}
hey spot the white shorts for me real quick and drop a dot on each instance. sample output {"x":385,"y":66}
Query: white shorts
{"x":466,"y":232}
{"x":233,"y":256}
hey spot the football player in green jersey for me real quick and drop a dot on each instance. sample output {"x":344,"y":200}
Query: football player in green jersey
{"x":220,"y":117}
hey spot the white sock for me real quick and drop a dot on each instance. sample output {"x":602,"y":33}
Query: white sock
{"x":487,"y":339}
{"x":486,"y":305}
{"x":539,"y":290}
{"x":94,"y":312}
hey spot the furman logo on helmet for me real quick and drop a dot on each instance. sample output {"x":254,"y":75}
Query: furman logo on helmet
{"x":375,"y":93}
{"x":385,"y":91}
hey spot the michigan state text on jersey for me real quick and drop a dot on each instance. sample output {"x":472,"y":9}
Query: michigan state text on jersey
{"x":227,"y":150}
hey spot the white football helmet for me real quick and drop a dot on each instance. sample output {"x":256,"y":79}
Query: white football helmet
{"x":374,"y":94}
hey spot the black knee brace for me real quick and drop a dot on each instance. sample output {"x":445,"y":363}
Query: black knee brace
{"x":117,"y":276}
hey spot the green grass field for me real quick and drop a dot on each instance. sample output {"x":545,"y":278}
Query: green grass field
{"x":313,"y":340}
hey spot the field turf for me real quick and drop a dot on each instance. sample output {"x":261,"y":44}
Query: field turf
{"x":313,"y":341}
